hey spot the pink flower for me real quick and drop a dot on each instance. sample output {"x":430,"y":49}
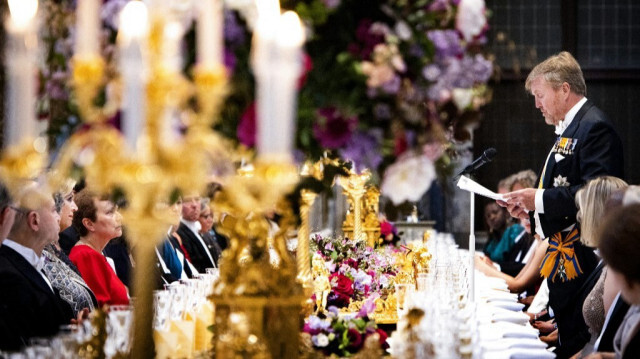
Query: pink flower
{"x":333,"y":129}
{"x":247,"y":126}
{"x":471,"y":18}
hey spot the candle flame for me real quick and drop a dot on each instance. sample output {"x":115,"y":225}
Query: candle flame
{"x":290,"y":31}
{"x":134,"y":20}
{"x":22,"y":12}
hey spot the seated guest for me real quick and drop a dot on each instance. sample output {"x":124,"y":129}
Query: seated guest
{"x":189,"y":232}
{"x":69,"y":236}
{"x":61,"y":272}
{"x":618,"y":308}
{"x":529,"y":275}
{"x":118,"y":253}
{"x":29,"y":305}
{"x":176,"y":242}
{"x":502,"y":235}
{"x":619,"y":245}
{"x":207,"y":231}
{"x":598,"y":291}
{"x":6,"y":212}
{"x":169,"y":262}
{"x":98,"y":221}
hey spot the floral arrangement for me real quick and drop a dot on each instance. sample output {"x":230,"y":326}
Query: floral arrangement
{"x":388,"y":233}
{"x":339,"y":335}
{"x":387,"y":84}
{"x":357,"y":273}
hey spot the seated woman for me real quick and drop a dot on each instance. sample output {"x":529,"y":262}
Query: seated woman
{"x":597,"y":293}
{"x":61,"y":272}
{"x":502,"y":235}
{"x":97,"y":221}
{"x":619,"y":245}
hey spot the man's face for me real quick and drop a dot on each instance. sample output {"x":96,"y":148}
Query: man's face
{"x":549,"y":101}
{"x":108,"y":222}
{"x":49,"y":225}
{"x":191,"y":208}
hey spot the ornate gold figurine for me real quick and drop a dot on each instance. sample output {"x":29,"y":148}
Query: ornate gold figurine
{"x":354,"y":188}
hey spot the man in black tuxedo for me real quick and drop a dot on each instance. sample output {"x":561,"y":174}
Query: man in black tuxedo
{"x":29,"y":306}
{"x":587,"y":147}
{"x":196,"y":247}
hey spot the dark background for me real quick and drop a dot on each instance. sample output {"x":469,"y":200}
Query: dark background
{"x":603,"y":35}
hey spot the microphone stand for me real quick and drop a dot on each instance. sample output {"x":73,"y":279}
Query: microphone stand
{"x":472,"y":248}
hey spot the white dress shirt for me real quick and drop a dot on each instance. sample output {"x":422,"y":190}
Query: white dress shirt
{"x":560,"y":127}
{"x":30,"y":256}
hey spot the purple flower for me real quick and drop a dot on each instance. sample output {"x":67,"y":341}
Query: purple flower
{"x":392,"y":86}
{"x":234,"y":33}
{"x":331,"y":4}
{"x":110,"y":12}
{"x":315,"y":323}
{"x":333,"y":129}
{"x":362,"y":149}
{"x":481,"y":69}
{"x":367,"y":40}
{"x":446,"y":42}
{"x":431,"y":72}
{"x":369,"y":305}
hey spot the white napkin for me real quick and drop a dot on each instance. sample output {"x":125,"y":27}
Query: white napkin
{"x":506,"y":343}
{"x":519,"y":353}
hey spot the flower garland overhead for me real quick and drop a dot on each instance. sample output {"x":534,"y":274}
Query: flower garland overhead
{"x":381,"y":78}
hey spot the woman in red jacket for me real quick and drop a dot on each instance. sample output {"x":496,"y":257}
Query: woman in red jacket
{"x":97,"y":221}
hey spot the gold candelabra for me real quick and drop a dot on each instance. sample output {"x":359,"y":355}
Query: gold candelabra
{"x":157,"y":170}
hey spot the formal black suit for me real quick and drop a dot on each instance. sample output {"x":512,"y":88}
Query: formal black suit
{"x":68,"y":238}
{"x":199,"y":254}
{"x":566,"y":299}
{"x":595,"y":150}
{"x":632,"y":350}
{"x":620,"y":309}
{"x":28,"y":306}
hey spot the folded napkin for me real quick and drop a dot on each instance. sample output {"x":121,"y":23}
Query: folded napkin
{"x":507,"y":343}
{"x":519,"y":353}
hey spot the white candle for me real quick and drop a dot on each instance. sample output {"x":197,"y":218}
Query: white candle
{"x":87,"y":28}
{"x":210,"y":32}
{"x":131,"y":38}
{"x":277,"y":64}
{"x":21,"y":71}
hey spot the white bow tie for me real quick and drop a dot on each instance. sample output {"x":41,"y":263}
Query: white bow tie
{"x":560,"y":128}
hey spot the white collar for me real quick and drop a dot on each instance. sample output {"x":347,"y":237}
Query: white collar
{"x":194,"y":226}
{"x":568,"y":118}
{"x":26,"y":252}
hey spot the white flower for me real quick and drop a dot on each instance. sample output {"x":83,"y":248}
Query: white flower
{"x":403,"y":30}
{"x":320,"y":340}
{"x":462,"y":97}
{"x":560,"y":182}
{"x":408,"y":178}
{"x":471,"y":18}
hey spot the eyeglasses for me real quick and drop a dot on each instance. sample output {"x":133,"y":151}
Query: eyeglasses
{"x":19,"y":209}
{"x":206,"y":215}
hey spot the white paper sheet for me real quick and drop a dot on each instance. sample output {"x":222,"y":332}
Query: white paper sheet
{"x":470,"y":185}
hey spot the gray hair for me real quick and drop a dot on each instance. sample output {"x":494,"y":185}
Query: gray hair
{"x":558,"y":69}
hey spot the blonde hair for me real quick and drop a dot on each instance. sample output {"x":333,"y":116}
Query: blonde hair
{"x":591,"y":200}
{"x":526,"y":178}
{"x":558,"y":69}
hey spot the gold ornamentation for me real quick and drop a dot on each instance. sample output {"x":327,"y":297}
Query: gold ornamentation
{"x":354,"y":187}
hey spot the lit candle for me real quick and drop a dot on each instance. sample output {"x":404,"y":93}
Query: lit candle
{"x":277,"y":64}
{"x":20,"y":62}
{"x":133,"y":28}
{"x":87,"y":28}
{"x":210,"y":33}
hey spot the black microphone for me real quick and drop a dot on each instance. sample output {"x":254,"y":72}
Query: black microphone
{"x":486,"y":157}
